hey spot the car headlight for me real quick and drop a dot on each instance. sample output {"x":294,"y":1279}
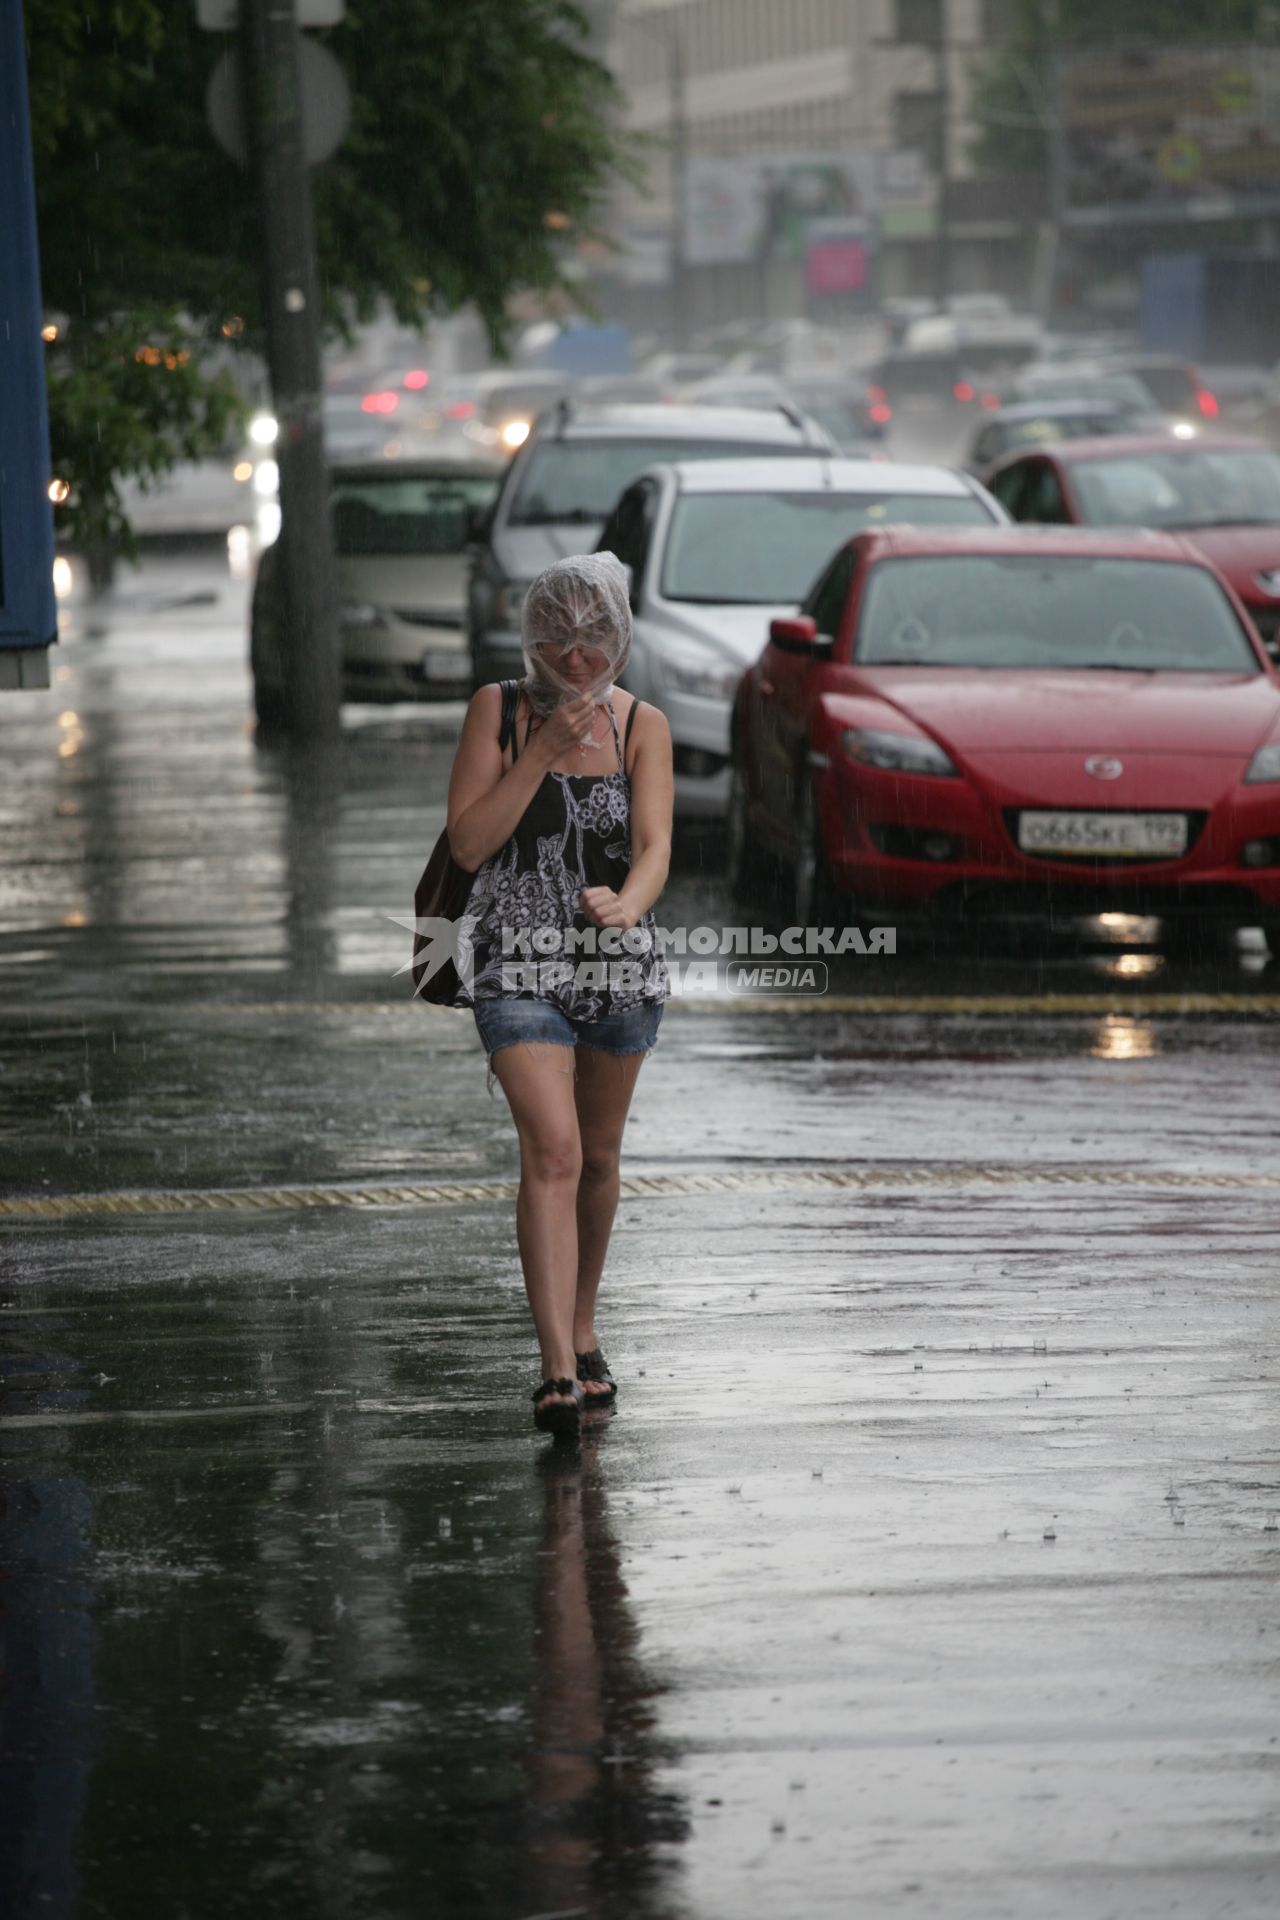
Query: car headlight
{"x":1265,"y":765}
{"x":896,"y":752}
{"x":358,"y":613}
{"x":710,"y":678}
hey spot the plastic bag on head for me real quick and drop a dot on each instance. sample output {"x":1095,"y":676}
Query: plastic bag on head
{"x":585,"y":597}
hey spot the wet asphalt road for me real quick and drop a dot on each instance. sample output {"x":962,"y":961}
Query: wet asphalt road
{"x":929,"y":1563}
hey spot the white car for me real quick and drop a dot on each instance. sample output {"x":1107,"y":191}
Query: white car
{"x":719,"y":548}
{"x":400,"y":534}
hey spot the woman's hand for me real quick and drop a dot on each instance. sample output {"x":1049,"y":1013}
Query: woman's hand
{"x":603,"y":908}
{"x":571,"y":722}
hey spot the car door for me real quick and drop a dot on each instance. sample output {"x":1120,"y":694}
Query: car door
{"x":786,"y":683}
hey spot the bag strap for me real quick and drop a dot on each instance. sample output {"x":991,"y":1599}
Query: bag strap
{"x":510,"y":690}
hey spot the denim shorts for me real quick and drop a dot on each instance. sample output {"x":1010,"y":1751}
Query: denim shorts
{"x":504,"y":1022}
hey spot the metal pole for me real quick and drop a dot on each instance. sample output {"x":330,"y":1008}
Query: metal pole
{"x":942,"y":253}
{"x":1057,"y":168}
{"x":679,"y":186}
{"x":273,"y":112}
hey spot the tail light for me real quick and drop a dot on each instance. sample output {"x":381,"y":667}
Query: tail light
{"x":1207,"y":403}
{"x":417,"y":379}
{"x":385,"y":402}
{"x":881,"y":413}
{"x":991,"y":401}
{"x":460,"y":410}
{"x":963,"y":390}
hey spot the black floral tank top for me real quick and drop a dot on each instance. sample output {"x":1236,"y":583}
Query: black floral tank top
{"x":525,"y":936}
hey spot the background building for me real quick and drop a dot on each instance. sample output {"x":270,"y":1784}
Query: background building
{"x":803,"y":157}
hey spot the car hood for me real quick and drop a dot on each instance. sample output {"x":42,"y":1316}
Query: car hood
{"x":1041,"y":711}
{"x":738,"y":635}
{"x":433,"y":583}
{"x":522,"y":552}
{"x":1241,"y":553}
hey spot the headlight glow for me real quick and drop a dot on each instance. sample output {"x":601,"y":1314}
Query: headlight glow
{"x":263,"y":429}
{"x":514,"y":434}
{"x":358,"y":613}
{"x":896,"y":752}
{"x":710,"y":678}
{"x":1264,"y":766}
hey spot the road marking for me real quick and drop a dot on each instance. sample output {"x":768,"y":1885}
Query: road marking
{"x":1145,"y":1006}
{"x":634,"y":1187}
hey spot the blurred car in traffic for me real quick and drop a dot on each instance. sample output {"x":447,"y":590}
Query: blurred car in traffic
{"x":1174,"y":384}
{"x":564,"y":481}
{"x":847,"y":409}
{"x":494,"y":411}
{"x":1223,"y":491}
{"x":716,"y":548}
{"x":400,"y":533}
{"x":1036,"y":423}
{"x":1011,"y":721}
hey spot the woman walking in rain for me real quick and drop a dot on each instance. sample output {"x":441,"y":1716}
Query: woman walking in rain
{"x":566,"y":826}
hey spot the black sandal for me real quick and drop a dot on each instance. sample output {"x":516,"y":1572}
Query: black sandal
{"x":594,"y":1366}
{"x":553,"y":1416}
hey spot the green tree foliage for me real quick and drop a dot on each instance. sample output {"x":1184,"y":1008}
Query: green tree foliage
{"x":1011,"y":97}
{"x":472,"y":120}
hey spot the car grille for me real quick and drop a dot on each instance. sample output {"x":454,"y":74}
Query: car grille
{"x":427,"y":617}
{"x":1111,"y":861}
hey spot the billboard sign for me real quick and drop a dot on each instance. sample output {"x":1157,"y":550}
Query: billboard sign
{"x":1159,"y":130}
{"x":760,"y":207}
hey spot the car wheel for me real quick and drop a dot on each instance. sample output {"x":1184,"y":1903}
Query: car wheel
{"x":749,"y":870}
{"x":814,"y":898}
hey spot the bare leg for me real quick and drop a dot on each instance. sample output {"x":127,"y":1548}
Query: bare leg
{"x":605,"y":1084}
{"x":537,"y":1079}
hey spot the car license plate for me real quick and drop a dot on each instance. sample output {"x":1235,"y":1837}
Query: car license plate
{"x":451,"y":665}
{"x":1117,"y":835}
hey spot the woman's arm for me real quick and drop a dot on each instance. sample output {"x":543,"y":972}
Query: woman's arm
{"x":486,"y":804}
{"x":652,"y":801}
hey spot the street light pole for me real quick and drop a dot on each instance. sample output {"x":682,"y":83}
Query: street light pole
{"x":310,"y":662}
{"x":679,"y":184}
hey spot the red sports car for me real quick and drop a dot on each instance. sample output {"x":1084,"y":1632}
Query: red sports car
{"x":1222,"y":490}
{"x":1006,"y":720}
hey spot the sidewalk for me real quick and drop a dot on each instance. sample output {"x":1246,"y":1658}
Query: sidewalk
{"x":927,"y":1566}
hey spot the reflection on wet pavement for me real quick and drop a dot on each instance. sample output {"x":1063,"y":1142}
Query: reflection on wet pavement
{"x":928,"y":1563}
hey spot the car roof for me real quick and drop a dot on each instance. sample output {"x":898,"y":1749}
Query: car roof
{"x":1129,"y":543}
{"x":659,"y":422}
{"x":814,"y":474}
{"x":1119,"y":446}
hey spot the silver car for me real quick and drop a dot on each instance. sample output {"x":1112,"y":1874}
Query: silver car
{"x":400,"y":534}
{"x":719,"y":548}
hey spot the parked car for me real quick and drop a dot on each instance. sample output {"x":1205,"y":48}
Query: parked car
{"x":1037,"y":423}
{"x":564,"y":481}
{"x":717,"y":547}
{"x":1005,"y":720}
{"x":1224,"y":491}
{"x":400,"y":531}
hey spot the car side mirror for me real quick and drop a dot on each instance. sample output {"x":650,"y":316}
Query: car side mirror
{"x":798,"y":633}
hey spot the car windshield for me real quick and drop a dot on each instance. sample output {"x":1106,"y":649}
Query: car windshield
{"x":1113,"y":390}
{"x":1185,"y":487}
{"x":403,"y":515}
{"x":1175,"y":388}
{"x":763,"y":549}
{"x":575,"y":482}
{"x":983,"y":610}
